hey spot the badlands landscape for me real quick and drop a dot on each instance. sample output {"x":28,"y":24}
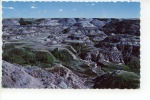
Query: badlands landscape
{"x":71,"y":53}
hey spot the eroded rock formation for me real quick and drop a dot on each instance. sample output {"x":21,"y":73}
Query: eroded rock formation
{"x":71,"y":53}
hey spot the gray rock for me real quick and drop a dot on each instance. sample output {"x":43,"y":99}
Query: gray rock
{"x":16,"y":76}
{"x":98,"y":23}
{"x":10,"y":22}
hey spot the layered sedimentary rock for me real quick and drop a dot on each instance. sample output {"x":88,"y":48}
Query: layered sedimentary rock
{"x":71,"y":53}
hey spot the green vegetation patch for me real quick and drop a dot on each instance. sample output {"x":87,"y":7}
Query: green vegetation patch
{"x":45,"y":58}
{"x":27,"y":56}
{"x":111,"y":65}
{"x":62,"y":55}
{"x":130,"y":76}
{"x":75,"y":65}
{"x":119,"y":79}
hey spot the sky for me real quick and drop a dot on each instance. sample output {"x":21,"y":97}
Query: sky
{"x":70,"y":9}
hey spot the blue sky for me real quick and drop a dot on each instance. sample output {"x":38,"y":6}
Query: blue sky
{"x":70,"y":10}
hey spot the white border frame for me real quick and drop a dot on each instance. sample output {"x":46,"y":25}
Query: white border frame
{"x":103,"y":94}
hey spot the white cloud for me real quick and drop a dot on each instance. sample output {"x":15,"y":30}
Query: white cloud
{"x":61,"y":10}
{"x":93,"y":4}
{"x":11,"y":8}
{"x":74,"y":9}
{"x":33,"y":7}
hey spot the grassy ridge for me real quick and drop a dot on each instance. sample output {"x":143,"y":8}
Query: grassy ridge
{"x":27,"y":56}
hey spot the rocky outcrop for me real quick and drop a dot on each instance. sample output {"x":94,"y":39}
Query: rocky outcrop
{"x":49,"y":22}
{"x":71,"y":53}
{"x":10,"y":22}
{"x":16,"y":76}
{"x":67,"y":21}
{"x":99,"y":23}
{"x":117,"y":26}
